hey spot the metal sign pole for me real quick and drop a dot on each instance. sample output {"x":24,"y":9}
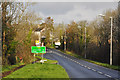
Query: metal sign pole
{"x":34,"y":57}
{"x":42,"y":58}
{"x":42,"y":54}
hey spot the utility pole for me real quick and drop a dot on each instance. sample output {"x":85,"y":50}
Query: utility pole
{"x":111,"y":43}
{"x":65,"y":41}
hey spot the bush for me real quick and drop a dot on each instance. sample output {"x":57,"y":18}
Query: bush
{"x":12,"y":59}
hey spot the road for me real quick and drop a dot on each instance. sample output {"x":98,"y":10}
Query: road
{"x":77,"y":68}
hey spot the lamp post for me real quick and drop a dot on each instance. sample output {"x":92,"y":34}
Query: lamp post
{"x":111,"y":18}
{"x":111,"y":42}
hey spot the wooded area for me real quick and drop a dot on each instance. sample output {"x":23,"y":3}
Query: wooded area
{"x":18,"y":26}
{"x":97,"y":38}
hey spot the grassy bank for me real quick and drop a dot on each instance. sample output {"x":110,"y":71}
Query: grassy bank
{"x":10,"y":67}
{"x":38,"y":70}
{"x":95,"y":62}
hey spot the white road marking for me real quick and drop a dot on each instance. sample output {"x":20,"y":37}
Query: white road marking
{"x":85,"y":66}
{"x":72,"y":60}
{"x":88,"y":67}
{"x":77,"y":62}
{"x":99,"y":72}
{"x":107,"y":75}
{"x":93,"y":69}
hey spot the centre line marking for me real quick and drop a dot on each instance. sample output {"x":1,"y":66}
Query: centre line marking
{"x":88,"y":67}
{"x":93,"y":69}
{"x":85,"y":66}
{"x":99,"y":72}
{"x":107,"y":75}
{"x":77,"y":62}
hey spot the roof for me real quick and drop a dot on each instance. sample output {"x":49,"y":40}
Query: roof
{"x":39,"y":29}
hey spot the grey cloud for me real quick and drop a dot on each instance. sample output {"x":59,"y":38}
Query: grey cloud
{"x":65,"y":11}
{"x":53,"y":8}
{"x":99,"y":5}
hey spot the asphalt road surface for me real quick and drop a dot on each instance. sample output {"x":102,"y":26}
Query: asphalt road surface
{"x":77,"y":68}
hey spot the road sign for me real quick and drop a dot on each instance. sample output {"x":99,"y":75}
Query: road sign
{"x":37,"y":41}
{"x":38,"y":49}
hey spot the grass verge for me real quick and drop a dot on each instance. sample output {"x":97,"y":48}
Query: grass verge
{"x":38,"y":70}
{"x":10,"y":67}
{"x":95,"y":62}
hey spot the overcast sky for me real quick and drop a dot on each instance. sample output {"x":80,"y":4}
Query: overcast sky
{"x":71,"y":11}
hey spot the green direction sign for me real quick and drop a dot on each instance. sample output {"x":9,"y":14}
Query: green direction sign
{"x":38,"y":49}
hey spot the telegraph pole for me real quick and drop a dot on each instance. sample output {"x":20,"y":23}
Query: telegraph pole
{"x":111,"y":42}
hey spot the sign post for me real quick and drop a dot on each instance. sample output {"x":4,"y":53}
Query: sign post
{"x":38,"y":49}
{"x":34,"y":58}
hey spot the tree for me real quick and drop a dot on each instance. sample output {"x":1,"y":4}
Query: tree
{"x":9,"y":14}
{"x":99,"y":45}
{"x":48,"y":29}
{"x":25,"y":36}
